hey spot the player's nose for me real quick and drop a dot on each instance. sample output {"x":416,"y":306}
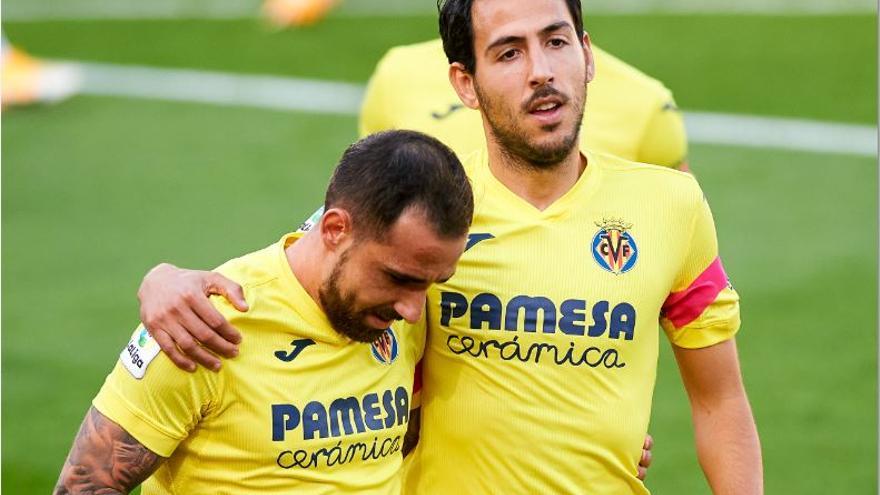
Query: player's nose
{"x":410,"y":305}
{"x":541,"y":70}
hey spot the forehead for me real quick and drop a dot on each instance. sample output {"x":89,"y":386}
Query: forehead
{"x":494,"y":18}
{"x":411,"y":246}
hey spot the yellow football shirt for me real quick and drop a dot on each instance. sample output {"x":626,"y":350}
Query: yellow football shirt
{"x":541,"y":353}
{"x":628,"y":114}
{"x":300,"y":410}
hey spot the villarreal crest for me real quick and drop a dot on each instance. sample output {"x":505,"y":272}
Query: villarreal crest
{"x":614,"y":248}
{"x":385,"y":348}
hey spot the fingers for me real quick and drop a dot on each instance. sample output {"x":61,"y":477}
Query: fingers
{"x":191,"y":348}
{"x":218,"y":284}
{"x":167,"y":345}
{"x":645,"y":460}
{"x":193,"y":322}
{"x":217,"y":325}
{"x":198,"y":307}
{"x":174,"y":302}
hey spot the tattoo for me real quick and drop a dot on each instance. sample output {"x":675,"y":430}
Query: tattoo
{"x":104,"y":460}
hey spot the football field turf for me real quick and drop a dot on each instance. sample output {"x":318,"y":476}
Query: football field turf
{"x":97,"y":190}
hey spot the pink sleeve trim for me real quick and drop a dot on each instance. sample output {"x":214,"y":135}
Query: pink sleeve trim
{"x":686,"y":306}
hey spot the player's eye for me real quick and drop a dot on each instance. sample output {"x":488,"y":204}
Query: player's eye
{"x":401,"y":280}
{"x":396,"y":279}
{"x":557,"y":42}
{"x":508,"y":55}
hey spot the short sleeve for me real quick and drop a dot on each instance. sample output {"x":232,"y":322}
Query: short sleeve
{"x":161,"y":407}
{"x":664,"y":141}
{"x":703,"y":308}
{"x":375,"y":107}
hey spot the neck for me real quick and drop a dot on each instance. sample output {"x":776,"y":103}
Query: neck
{"x":539,"y":185}
{"x":301,"y":256}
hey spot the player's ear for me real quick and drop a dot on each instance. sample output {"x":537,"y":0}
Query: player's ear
{"x":335,"y":228}
{"x":588,"y":57}
{"x":463,"y":83}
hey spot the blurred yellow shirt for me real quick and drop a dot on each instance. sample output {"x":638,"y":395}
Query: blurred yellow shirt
{"x":628,"y":114}
{"x":541,"y":355}
{"x":300,"y":410}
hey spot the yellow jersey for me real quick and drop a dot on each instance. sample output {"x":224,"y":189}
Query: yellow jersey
{"x":627,"y":114}
{"x":542,"y":350}
{"x":302,"y":409}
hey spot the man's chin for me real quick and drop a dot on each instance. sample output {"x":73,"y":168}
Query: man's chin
{"x":375,"y":321}
{"x":548,"y":156}
{"x":366,"y":335}
{"x":554,"y":148}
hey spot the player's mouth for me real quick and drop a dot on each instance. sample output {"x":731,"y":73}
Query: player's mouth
{"x":377,"y":322}
{"x":381,"y":321}
{"x":547,"y":110}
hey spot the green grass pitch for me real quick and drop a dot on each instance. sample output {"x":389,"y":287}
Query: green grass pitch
{"x":97,"y":190}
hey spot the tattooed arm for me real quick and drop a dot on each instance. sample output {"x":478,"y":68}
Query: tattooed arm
{"x":104,"y":460}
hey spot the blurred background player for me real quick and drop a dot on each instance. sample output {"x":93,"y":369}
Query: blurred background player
{"x":292,"y":13}
{"x":27,"y":80}
{"x":629,"y":114}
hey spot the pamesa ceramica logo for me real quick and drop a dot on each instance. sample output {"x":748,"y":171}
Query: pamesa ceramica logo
{"x":385,"y":349}
{"x":614,"y":247}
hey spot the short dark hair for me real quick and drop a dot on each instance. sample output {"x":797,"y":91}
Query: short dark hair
{"x":385,"y":173}
{"x":457,"y":29}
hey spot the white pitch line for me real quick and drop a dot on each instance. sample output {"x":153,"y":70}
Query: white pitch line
{"x":272,"y":92}
{"x":774,"y":132}
{"x":340,"y":98}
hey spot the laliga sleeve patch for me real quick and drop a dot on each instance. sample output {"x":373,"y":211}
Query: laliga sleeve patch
{"x":310,"y":223}
{"x":140,"y":351}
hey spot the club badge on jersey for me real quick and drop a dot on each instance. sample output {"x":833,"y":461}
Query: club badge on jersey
{"x":140,"y":351}
{"x":613,"y":247}
{"x":385,"y":349}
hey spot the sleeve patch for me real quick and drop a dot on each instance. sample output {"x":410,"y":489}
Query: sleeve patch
{"x":687,"y":305}
{"x":139,"y":353}
{"x":310,"y":222}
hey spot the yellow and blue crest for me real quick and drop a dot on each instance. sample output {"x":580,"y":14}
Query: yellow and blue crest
{"x":613,"y":247}
{"x":385,"y":348}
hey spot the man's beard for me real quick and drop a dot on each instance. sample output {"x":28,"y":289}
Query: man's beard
{"x":511,"y":137}
{"x":341,"y":312}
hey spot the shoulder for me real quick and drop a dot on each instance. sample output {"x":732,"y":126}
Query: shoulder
{"x":252,"y":269}
{"x":414,"y":51}
{"x":258,"y":274}
{"x":404,"y":79}
{"x":613,"y":74}
{"x":673,"y":187}
{"x":411,"y":59}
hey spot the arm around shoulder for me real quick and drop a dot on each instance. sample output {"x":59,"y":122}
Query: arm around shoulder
{"x":176,"y":310}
